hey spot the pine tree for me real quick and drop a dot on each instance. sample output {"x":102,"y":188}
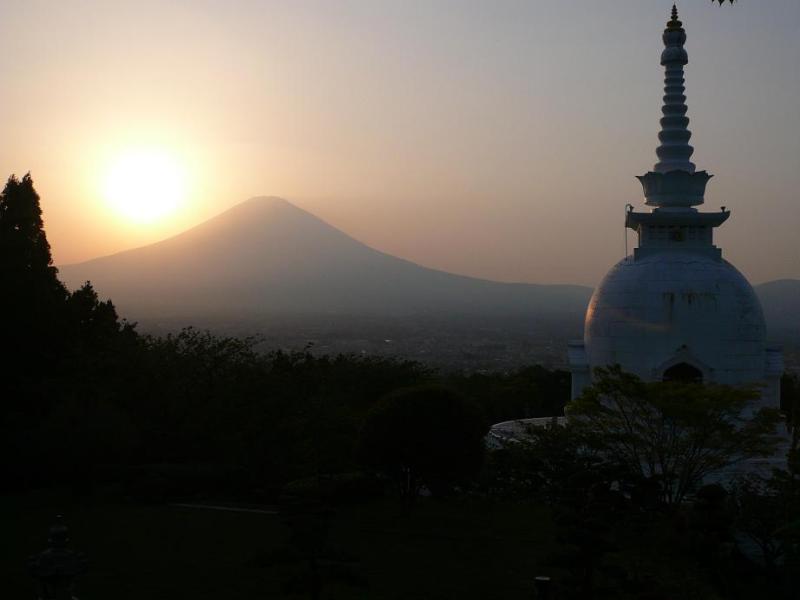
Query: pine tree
{"x":23,"y":243}
{"x":32,"y":299}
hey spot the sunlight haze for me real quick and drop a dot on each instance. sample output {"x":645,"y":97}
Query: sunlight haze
{"x":145,"y":184}
{"x":492,"y":139}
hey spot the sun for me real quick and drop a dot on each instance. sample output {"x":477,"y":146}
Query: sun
{"x":145,"y":185}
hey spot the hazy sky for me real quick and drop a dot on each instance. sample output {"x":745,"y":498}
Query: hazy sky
{"x":496,"y":138}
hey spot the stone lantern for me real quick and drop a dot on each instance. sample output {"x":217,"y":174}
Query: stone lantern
{"x":56,"y":568}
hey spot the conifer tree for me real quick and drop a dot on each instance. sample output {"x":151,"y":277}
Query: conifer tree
{"x":31,"y":296}
{"x":23,"y":243}
{"x":40,"y":320}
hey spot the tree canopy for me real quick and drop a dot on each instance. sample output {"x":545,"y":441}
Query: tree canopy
{"x":427,"y":435}
{"x":674,"y":434}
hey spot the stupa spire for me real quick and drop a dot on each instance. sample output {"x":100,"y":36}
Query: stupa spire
{"x":674,"y":152}
{"x":674,"y":181}
{"x":674,"y":19}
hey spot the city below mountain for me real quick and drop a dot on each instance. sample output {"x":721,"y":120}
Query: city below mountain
{"x":268,"y":261}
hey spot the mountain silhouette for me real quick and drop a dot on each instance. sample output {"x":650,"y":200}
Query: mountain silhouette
{"x":780,"y":300}
{"x":266,"y":256}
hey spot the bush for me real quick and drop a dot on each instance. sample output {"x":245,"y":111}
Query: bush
{"x":167,"y":482}
{"x":425,"y":436}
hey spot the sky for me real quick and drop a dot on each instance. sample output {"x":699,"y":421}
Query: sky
{"x":499,"y":139}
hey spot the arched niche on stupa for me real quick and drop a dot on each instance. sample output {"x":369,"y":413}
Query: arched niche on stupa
{"x":683,"y":372}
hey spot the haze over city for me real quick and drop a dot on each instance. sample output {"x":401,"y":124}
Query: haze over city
{"x":478,"y":138}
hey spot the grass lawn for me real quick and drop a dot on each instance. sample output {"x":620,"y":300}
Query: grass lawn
{"x":440,"y":549}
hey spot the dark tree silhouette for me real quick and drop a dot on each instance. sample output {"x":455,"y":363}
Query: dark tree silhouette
{"x":32,"y":301}
{"x":22,"y":236}
{"x":95,"y":322}
{"x":424,"y":436}
{"x":37,"y":313}
{"x":64,"y":354}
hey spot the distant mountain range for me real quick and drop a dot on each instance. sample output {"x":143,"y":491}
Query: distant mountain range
{"x":780,"y":300}
{"x":266,"y":256}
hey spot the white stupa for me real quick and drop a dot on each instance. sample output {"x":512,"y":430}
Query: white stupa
{"x":675,"y":309}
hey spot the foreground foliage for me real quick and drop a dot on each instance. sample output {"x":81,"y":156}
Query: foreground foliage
{"x":673,"y":434}
{"x":607,"y":506}
{"x":85,"y":399}
{"x":426,"y":436}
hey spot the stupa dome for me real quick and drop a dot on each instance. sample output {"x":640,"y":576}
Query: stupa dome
{"x":677,"y":310}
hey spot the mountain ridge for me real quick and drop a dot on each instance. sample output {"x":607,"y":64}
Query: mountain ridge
{"x":267,"y":256}
{"x":278,"y":201}
{"x":277,"y":256}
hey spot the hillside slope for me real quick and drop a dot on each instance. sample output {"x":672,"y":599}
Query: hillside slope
{"x":267,"y":256}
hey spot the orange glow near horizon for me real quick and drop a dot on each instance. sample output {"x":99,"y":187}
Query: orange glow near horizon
{"x":492,"y":141}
